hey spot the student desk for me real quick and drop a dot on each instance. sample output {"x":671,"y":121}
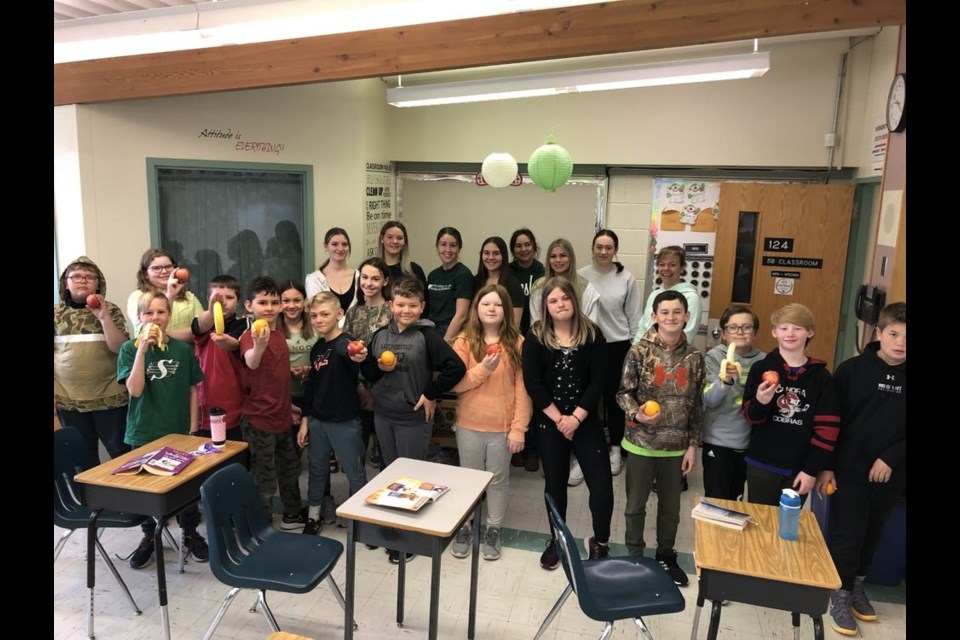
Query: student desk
{"x":756,"y":566}
{"x":160,"y":497}
{"x":425,"y":532}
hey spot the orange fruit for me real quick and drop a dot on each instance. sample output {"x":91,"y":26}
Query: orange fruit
{"x":831,"y":489}
{"x":651,"y":408}
{"x":388,"y":358}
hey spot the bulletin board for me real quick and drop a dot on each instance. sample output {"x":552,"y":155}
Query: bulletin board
{"x":428,"y":202}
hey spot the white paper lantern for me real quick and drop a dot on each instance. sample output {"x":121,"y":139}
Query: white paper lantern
{"x":499,"y":169}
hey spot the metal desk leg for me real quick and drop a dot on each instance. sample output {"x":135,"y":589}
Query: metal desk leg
{"x":351,"y":580}
{"x":162,"y":576}
{"x":401,"y":585}
{"x":696,"y":615}
{"x":817,"y":627}
{"x":714,"y":627}
{"x":91,"y":567}
{"x":795,"y":619}
{"x":434,"y":588}
{"x":474,"y":565}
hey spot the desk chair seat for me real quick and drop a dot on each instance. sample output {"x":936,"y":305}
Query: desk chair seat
{"x":71,"y":455}
{"x":246,"y":552}
{"x":611,"y":589}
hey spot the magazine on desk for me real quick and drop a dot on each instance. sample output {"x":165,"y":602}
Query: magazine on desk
{"x":407,"y":493}
{"x":163,"y":462}
{"x":718,"y":514}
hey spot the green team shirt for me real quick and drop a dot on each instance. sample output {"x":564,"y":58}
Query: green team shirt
{"x":164,"y":405}
{"x":444,"y":288}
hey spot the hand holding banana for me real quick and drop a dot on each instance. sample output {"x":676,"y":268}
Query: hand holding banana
{"x":728,"y":362}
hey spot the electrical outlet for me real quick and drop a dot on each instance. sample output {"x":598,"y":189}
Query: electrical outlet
{"x":829,"y":140}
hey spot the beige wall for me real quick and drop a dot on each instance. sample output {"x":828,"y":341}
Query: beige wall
{"x":778,"y":120}
{"x":336,"y":128}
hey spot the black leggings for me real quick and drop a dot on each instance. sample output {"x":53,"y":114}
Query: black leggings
{"x":590,"y":449}
{"x":616,"y":354}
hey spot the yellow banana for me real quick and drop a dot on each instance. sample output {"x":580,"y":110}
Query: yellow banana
{"x":151,"y":329}
{"x":218,"y":318}
{"x":731,"y":359}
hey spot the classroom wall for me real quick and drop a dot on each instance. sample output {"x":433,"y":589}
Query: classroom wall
{"x":336,"y":128}
{"x":775,"y":121}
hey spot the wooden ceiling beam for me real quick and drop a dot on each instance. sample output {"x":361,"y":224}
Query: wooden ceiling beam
{"x":629,"y":25}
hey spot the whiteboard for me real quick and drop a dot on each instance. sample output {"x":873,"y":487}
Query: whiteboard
{"x":427,"y":203}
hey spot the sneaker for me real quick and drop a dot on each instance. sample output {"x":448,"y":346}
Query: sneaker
{"x":576,"y":474}
{"x":491,"y":544}
{"x":516,"y":460}
{"x":141,"y":556}
{"x":328,"y":510}
{"x":669,"y":562}
{"x":860,"y":603}
{"x":292,"y":523}
{"x":394,"y":556}
{"x":461,"y":543}
{"x":197,"y":546}
{"x":549,"y":559}
{"x":312,"y":528}
{"x":616,"y":463}
{"x":532,"y":463}
{"x":596,"y":550}
{"x":841,"y":618}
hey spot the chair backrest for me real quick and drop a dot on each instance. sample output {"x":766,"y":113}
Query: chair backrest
{"x":71,"y":455}
{"x":566,"y":546}
{"x":236,"y":522}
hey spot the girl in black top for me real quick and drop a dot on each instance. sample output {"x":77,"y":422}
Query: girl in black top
{"x":564,"y":363}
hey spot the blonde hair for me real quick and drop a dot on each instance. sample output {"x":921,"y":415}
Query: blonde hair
{"x":326,"y":297}
{"x":509,"y":334}
{"x":794,"y":313}
{"x":579,"y":283}
{"x":143,"y":305}
{"x":583,"y":328}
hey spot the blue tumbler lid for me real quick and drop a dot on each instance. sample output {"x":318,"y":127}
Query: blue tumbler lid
{"x":790,"y":498}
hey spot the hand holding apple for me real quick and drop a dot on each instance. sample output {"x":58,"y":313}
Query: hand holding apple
{"x":771,"y":377}
{"x":94,"y":301}
{"x":492,"y":360}
{"x":356,"y":348}
{"x":182,"y":275}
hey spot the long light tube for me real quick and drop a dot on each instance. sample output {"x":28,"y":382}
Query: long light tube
{"x":750,"y":65}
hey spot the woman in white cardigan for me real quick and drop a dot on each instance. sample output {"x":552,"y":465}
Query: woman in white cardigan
{"x":334,"y":275}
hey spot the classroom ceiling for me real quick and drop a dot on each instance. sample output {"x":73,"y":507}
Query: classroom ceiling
{"x":587,"y":28}
{"x":74,"y":9}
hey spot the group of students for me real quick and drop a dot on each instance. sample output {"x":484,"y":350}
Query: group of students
{"x":551,"y":355}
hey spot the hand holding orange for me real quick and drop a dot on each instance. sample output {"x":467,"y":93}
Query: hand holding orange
{"x":650,"y":408}
{"x":260,"y":328}
{"x":388,"y":358}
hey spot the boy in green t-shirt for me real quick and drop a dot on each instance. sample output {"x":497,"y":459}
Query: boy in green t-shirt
{"x":162,"y":378}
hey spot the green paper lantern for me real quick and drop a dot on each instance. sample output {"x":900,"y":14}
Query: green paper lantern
{"x":550,"y":166}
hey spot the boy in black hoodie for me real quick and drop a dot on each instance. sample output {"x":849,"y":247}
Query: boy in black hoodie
{"x":870,"y":469}
{"x":795,"y":418}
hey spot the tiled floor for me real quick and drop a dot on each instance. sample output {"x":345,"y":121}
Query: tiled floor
{"x":515,"y":593}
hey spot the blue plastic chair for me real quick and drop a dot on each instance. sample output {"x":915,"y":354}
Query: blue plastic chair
{"x":611,"y":589}
{"x":246,"y":552}
{"x":71,"y":455}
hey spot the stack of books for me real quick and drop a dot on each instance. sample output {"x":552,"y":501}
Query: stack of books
{"x":718,"y":514}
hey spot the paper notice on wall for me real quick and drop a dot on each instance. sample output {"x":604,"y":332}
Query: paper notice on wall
{"x":878,"y":149}
{"x":377,"y":203}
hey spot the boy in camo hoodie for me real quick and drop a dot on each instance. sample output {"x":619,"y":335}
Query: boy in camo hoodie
{"x":86,"y":340}
{"x":661,"y":448}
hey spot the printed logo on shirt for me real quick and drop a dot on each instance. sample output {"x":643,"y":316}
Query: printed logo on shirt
{"x":790,"y":404}
{"x":439,"y":287}
{"x":322,"y":360}
{"x":679,"y":375}
{"x":162,"y":369}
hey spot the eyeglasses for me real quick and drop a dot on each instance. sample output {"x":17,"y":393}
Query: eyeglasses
{"x":738,"y":328}
{"x":161,"y":268}
{"x":82,"y":278}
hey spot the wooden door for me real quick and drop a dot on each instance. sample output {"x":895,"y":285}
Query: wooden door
{"x":782,"y":243}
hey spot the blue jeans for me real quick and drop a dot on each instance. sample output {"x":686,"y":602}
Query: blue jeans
{"x":346,"y":440}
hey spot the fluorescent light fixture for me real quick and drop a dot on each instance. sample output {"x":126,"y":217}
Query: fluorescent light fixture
{"x":750,"y":65}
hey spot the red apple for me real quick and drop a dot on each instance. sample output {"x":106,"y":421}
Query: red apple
{"x":183,"y":275}
{"x":493,"y":348}
{"x":771,"y":377}
{"x":93,"y":301}
{"x":354,"y":347}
